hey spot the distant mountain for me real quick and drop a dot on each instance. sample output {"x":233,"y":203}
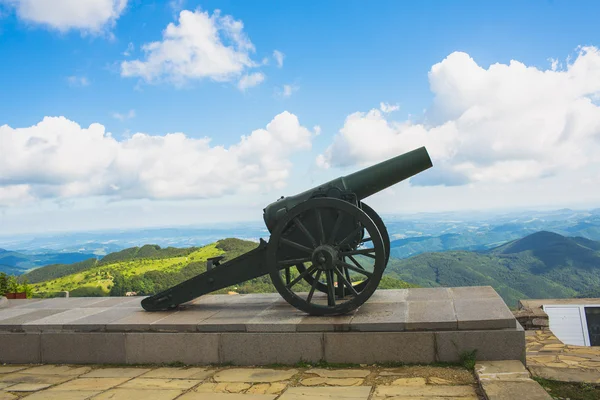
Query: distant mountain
{"x":16,"y":262}
{"x":540,"y":265}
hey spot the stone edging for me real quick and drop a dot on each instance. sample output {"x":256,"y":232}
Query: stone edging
{"x":3,"y":302}
{"x":508,"y":380}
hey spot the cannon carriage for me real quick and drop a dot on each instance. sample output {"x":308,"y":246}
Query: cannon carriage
{"x":327,"y":250}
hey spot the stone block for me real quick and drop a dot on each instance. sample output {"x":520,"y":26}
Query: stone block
{"x":188,"y":348}
{"x":388,"y":296}
{"x":366,"y":348}
{"x":16,"y":323}
{"x":380,"y":317}
{"x":463,"y":392}
{"x":338,"y":323}
{"x":473,"y":293}
{"x":3,"y":302}
{"x":231,"y":318}
{"x":97,"y":322}
{"x":566,"y":374}
{"x":426,"y":294}
{"x":55,"y":322}
{"x":7,"y":313}
{"x":432,"y":315}
{"x":83,"y":348}
{"x":490,"y":313}
{"x":20,"y":348}
{"x":506,"y":344}
{"x":132,"y":302}
{"x":506,"y":390}
{"x":138,"y":321}
{"x":276,"y":318}
{"x":270,"y":348}
{"x":51,"y":394}
{"x":186,"y":320}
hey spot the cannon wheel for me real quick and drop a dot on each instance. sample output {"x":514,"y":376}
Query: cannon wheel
{"x":325,"y":254}
{"x":386,"y":242}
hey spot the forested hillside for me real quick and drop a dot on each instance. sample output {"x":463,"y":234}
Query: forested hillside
{"x":541,"y":265}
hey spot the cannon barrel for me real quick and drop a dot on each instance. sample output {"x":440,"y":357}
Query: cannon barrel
{"x":363,"y":183}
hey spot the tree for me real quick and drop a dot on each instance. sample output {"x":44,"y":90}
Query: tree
{"x":3,"y":283}
{"x":119,"y":285}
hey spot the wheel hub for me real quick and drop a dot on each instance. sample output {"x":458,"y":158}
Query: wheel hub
{"x":324,"y":257}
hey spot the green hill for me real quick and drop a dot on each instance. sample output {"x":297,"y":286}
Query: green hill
{"x":148,"y":270}
{"x":541,"y":265}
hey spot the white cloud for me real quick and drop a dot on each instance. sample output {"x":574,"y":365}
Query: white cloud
{"x":201,"y":46}
{"x":130,"y":49}
{"x":278,"y":56}
{"x":388,"y":108}
{"x":251,"y":80}
{"x":122,"y":117}
{"x":78,"y":81}
{"x":89,"y":16}
{"x":57,"y":158}
{"x":286,"y":90}
{"x":505,"y":123}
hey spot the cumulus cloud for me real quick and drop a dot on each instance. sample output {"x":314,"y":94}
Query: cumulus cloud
{"x":388,"y":108}
{"x":251,"y":80}
{"x":278,"y":56}
{"x":57,"y":158}
{"x":89,"y":16}
{"x":504,"y":123}
{"x":200,"y":46}
{"x":78,"y":81}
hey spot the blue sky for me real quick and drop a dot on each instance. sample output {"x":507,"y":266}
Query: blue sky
{"x":340,"y":58}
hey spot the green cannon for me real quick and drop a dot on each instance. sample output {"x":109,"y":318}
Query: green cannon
{"x":327,"y":250}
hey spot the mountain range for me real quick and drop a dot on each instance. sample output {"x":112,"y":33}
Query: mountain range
{"x":17,"y":263}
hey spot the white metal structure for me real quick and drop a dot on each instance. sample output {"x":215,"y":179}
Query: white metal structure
{"x":568,"y":322}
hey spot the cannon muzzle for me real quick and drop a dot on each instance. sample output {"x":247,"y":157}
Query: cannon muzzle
{"x":362,"y":184}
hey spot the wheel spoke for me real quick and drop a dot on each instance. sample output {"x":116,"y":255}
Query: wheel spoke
{"x":336,"y":227}
{"x":364,"y":252}
{"x":313,"y":287}
{"x":306,"y":272}
{"x":350,"y":236}
{"x":355,"y":262}
{"x":296,"y":245}
{"x":310,"y":237}
{"x":288,"y":276}
{"x":355,"y":269}
{"x":346,"y":282}
{"x":287,"y":263}
{"x":365,"y":240}
{"x":321,"y":228}
{"x":341,"y":288}
{"x":330,"y":289}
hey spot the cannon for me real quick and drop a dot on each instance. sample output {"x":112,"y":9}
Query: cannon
{"x":327,"y":250}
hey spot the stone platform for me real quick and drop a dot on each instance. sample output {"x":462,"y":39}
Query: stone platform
{"x":408,"y":325}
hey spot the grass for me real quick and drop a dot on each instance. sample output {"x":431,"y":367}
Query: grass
{"x":468,"y":359}
{"x":570,"y":390}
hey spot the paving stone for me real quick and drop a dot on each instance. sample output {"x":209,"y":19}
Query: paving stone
{"x":7,"y":369}
{"x":186,"y":320}
{"x":276,"y":318}
{"x":388,"y":296}
{"x":410,"y":382}
{"x":339,"y":373}
{"x":116,"y":373}
{"x":7,"y":396}
{"x":20,"y":348}
{"x":162,"y":384}
{"x":234,"y":317}
{"x":473,"y":293}
{"x":270,"y":348}
{"x":426,"y":391}
{"x":350,"y":347}
{"x":566,"y":374}
{"x":179,"y":373}
{"x":225,"y":396}
{"x":328,"y":393}
{"x":332,"y":381}
{"x":267,"y":388}
{"x":137,"y":394}
{"x":98,"y":321}
{"x":4,"y":385}
{"x":502,"y":390}
{"x":127,"y":301}
{"x":91,"y":384}
{"x":139,"y":321}
{"x":236,"y":387}
{"x":51,"y":394}
{"x":255,"y":375}
{"x":431,"y":315}
{"x":490,"y":345}
{"x":29,"y":387}
{"x":3,"y":302}
{"x":7,"y":313}
{"x":56,"y":321}
{"x":188,"y":348}
{"x":61,"y":370}
{"x":84,"y":347}
{"x":477,"y":314}
{"x":426,"y":294}
{"x":34,"y":379}
{"x":433,"y":380}
{"x":486,"y":368}
{"x":380,"y":317}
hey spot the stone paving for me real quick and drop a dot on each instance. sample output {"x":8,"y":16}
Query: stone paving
{"x":549,"y":358}
{"x":70,"y":382}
